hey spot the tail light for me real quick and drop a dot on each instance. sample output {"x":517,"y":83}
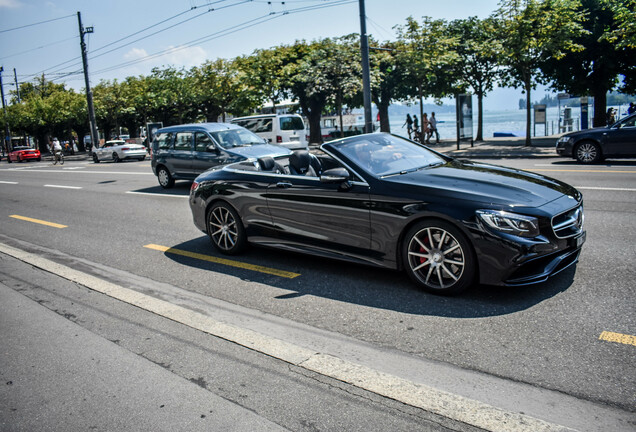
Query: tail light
{"x":279,"y":139}
{"x":125,"y":149}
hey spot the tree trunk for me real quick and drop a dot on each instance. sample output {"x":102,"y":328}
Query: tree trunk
{"x":385,"y":125}
{"x":600,"y":107}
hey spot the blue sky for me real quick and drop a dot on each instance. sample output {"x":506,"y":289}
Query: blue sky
{"x":193,"y":31}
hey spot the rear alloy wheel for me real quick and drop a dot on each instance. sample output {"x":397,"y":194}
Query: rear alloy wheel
{"x":95,"y":158}
{"x":438,"y":258}
{"x":165,"y":179}
{"x":588,"y":153}
{"x":116,"y":158}
{"x":226,"y":229}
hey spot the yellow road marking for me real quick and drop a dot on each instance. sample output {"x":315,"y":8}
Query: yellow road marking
{"x":38,"y":221}
{"x":584,"y":171}
{"x":223,"y":261}
{"x":618,"y":338}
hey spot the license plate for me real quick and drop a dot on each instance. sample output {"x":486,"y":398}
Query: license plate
{"x":580,"y":240}
{"x":293,"y":138}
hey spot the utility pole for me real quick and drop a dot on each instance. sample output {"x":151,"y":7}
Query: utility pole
{"x":17,"y":88}
{"x":7,"y":138}
{"x":366,"y":79}
{"x":89,"y":92}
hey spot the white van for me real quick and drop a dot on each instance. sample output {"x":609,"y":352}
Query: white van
{"x":287,"y":130}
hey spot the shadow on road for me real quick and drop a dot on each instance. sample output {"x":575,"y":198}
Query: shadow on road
{"x":180,"y":188}
{"x":370,"y":286}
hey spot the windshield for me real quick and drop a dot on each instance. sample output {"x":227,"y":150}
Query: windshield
{"x":236,"y":138}
{"x":384,"y":154}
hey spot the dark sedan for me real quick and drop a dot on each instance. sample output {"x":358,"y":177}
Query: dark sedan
{"x":382,"y":200}
{"x":593,"y":145}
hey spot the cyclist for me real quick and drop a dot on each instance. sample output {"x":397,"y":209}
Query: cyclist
{"x":57,"y":152}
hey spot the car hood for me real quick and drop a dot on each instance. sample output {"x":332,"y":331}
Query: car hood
{"x":258,"y":150}
{"x":584,"y":132}
{"x":485,"y":183}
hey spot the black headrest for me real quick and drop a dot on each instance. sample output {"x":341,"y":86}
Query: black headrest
{"x":300,"y":160}
{"x":266,"y":163}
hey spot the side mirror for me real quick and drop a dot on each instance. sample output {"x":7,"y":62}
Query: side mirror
{"x":335,"y":175}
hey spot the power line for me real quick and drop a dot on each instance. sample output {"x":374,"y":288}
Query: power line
{"x":37,"y":23}
{"x":38,"y":48}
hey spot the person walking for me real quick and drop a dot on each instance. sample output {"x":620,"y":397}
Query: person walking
{"x":409,"y":125}
{"x":416,"y":129}
{"x":425,"y":128}
{"x":433,"y":127}
{"x":632,"y":108}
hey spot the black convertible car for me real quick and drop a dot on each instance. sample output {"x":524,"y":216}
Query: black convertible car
{"x":382,"y":200}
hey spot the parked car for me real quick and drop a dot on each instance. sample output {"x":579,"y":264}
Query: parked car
{"x":287,"y":130}
{"x":183,"y":152}
{"x":23,"y":153}
{"x":383,"y":200}
{"x":593,"y":145}
{"x":119,"y":150}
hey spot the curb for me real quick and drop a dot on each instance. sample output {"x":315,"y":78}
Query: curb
{"x":444,"y":404}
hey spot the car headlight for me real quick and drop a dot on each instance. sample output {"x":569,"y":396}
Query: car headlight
{"x":564,"y":139}
{"x":510,"y":223}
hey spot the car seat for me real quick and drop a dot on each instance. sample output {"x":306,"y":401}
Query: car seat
{"x":268,"y":164}
{"x":302,"y":163}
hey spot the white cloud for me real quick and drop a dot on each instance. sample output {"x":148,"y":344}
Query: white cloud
{"x":135,"y":53}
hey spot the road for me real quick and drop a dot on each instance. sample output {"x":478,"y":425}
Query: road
{"x":573,"y":335}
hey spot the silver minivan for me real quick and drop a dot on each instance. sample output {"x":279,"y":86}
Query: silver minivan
{"x":287,"y":130}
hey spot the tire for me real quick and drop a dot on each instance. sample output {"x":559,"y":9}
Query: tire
{"x":19,"y":159}
{"x":165,"y":179}
{"x":225,"y":229}
{"x":438,"y":257}
{"x":9,"y":159}
{"x":116,"y":158}
{"x":95,"y":158}
{"x":141,"y":159}
{"x":588,"y":153}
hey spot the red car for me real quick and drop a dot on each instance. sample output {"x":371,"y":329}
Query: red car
{"x":23,"y":153}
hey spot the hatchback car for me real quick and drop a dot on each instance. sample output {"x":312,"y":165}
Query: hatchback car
{"x":23,"y":153}
{"x":118,"y":150}
{"x":183,"y":152}
{"x":593,"y":145}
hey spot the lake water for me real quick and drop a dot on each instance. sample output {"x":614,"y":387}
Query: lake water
{"x":495,"y":121}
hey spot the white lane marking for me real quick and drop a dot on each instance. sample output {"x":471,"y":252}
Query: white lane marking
{"x":428,"y":398}
{"x":8,"y":182}
{"x":73,"y":168}
{"x":82,"y":171}
{"x":156,"y":194}
{"x":606,"y":188}
{"x":62,"y":187}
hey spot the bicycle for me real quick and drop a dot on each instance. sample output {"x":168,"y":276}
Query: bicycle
{"x":59,"y":156}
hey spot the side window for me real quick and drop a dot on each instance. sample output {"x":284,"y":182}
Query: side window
{"x":183,"y":141}
{"x":264,"y":125}
{"x":164,"y":141}
{"x":201,"y":141}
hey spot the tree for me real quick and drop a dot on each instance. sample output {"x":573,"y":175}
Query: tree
{"x":265,"y":69}
{"x":322,"y":72}
{"x":531,"y":32}
{"x":387,"y":80}
{"x":220,"y":88}
{"x":610,"y":50}
{"x":427,"y":53}
{"x":478,"y":48}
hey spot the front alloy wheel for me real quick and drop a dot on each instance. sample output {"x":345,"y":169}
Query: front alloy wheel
{"x":165,"y":179}
{"x":588,"y":153}
{"x":438,"y":258}
{"x":225,"y":229}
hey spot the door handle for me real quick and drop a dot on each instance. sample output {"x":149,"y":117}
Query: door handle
{"x":284,"y":185}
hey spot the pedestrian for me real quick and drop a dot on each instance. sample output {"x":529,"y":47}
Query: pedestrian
{"x":610,"y":117}
{"x":409,"y":125}
{"x":416,"y":128}
{"x":433,"y":127}
{"x":632,"y":108}
{"x":425,"y":128}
